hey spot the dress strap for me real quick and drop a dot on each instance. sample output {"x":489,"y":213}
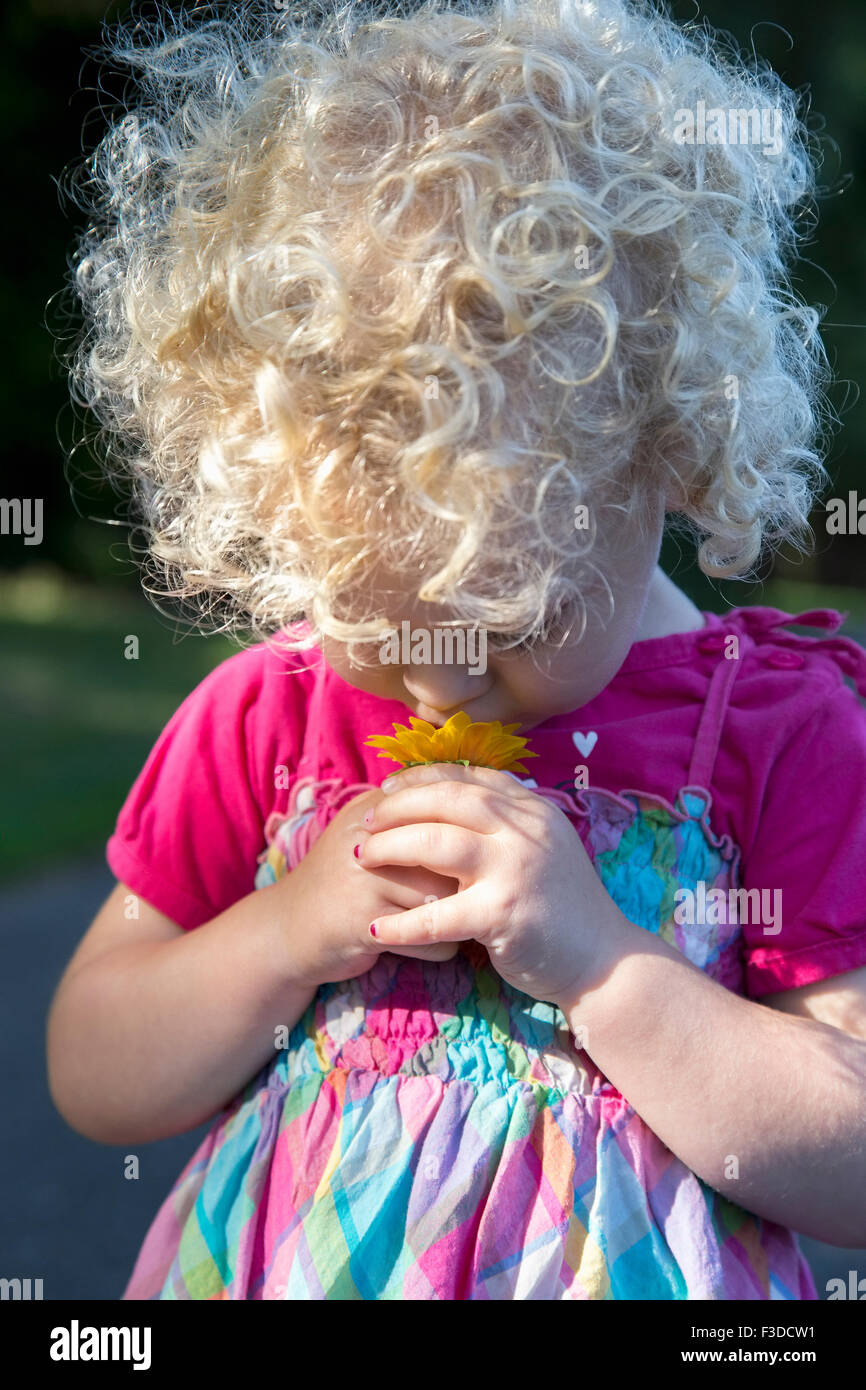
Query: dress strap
{"x":712,"y":721}
{"x":762,"y":624}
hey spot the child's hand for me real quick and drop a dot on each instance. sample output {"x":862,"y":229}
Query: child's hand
{"x":331,"y":901}
{"x":528,"y":890}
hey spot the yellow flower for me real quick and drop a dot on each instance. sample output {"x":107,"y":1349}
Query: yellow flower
{"x":458,"y":741}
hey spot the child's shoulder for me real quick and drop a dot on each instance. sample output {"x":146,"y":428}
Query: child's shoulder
{"x":773,"y":671}
{"x":816,"y":666}
{"x":794,"y":696}
{"x":264,"y":671}
{"x":769,"y":692}
{"x":250,"y":706}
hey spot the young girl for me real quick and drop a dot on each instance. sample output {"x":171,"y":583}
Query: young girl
{"x":434,"y":318}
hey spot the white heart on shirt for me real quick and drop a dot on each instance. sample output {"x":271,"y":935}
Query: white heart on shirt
{"x":584,"y":743}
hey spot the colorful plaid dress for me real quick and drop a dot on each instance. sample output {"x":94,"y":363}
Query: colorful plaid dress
{"x":430,"y":1132}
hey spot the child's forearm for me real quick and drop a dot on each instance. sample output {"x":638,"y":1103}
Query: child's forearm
{"x":154,"y":1038}
{"x":721,"y":1078}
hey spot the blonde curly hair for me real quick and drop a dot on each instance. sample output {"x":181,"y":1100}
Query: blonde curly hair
{"x":401,"y":289}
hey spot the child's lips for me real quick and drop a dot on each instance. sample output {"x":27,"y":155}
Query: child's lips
{"x":434,"y":716}
{"x":439,"y":718}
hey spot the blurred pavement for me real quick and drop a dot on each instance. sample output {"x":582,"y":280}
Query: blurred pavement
{"x":69,"y":1215}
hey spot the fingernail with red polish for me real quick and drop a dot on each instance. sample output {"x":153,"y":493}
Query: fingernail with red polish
{"x":373,"y":931}
{"x":357,"y":851}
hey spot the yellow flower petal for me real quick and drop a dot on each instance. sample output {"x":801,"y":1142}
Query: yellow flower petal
{"x":481,"y":744}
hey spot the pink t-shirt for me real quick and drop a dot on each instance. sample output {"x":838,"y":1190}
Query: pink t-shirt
{"x":787,"y":782}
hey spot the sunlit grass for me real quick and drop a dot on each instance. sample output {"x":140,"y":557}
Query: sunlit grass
{"x":79,"y":718}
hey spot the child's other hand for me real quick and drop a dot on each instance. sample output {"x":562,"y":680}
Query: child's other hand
{"x":528,"y":890}
{"x":331,"y":901}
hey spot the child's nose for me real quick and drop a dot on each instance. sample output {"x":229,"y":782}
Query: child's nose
{"x":445,"y":688}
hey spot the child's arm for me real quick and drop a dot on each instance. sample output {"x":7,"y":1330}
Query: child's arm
{"x":153,"y":1029}
{"x":720,"y":1077}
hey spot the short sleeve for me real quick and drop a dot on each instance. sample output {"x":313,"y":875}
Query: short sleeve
{"x":189,"y":833}
{"x":809,"y":855}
